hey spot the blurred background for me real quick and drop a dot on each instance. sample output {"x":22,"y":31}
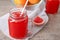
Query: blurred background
{"x":5,"y":6}
{"x":51,"y":31}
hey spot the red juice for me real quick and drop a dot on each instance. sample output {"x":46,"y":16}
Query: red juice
{"x":52,"y":6}
{"x":18,"y":25}
{"x":59,"y":2}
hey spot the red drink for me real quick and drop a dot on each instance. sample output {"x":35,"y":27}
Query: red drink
{"x":59,"y":2}
{"x":18,"y":24}
{"x":52,"y":6}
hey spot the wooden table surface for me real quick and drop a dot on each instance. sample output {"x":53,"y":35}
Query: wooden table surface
{"x":51,"y":31}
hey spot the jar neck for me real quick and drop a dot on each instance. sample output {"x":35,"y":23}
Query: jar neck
{"x":16,"y":14}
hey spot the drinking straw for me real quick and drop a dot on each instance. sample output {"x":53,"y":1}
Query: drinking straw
{"x":24,"y":7}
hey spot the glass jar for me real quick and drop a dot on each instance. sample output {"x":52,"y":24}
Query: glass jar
{"x":52,"y":6}
{"x":18,"y":23}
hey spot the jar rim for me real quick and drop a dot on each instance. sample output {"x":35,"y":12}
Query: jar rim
{"x":17,"y":10}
